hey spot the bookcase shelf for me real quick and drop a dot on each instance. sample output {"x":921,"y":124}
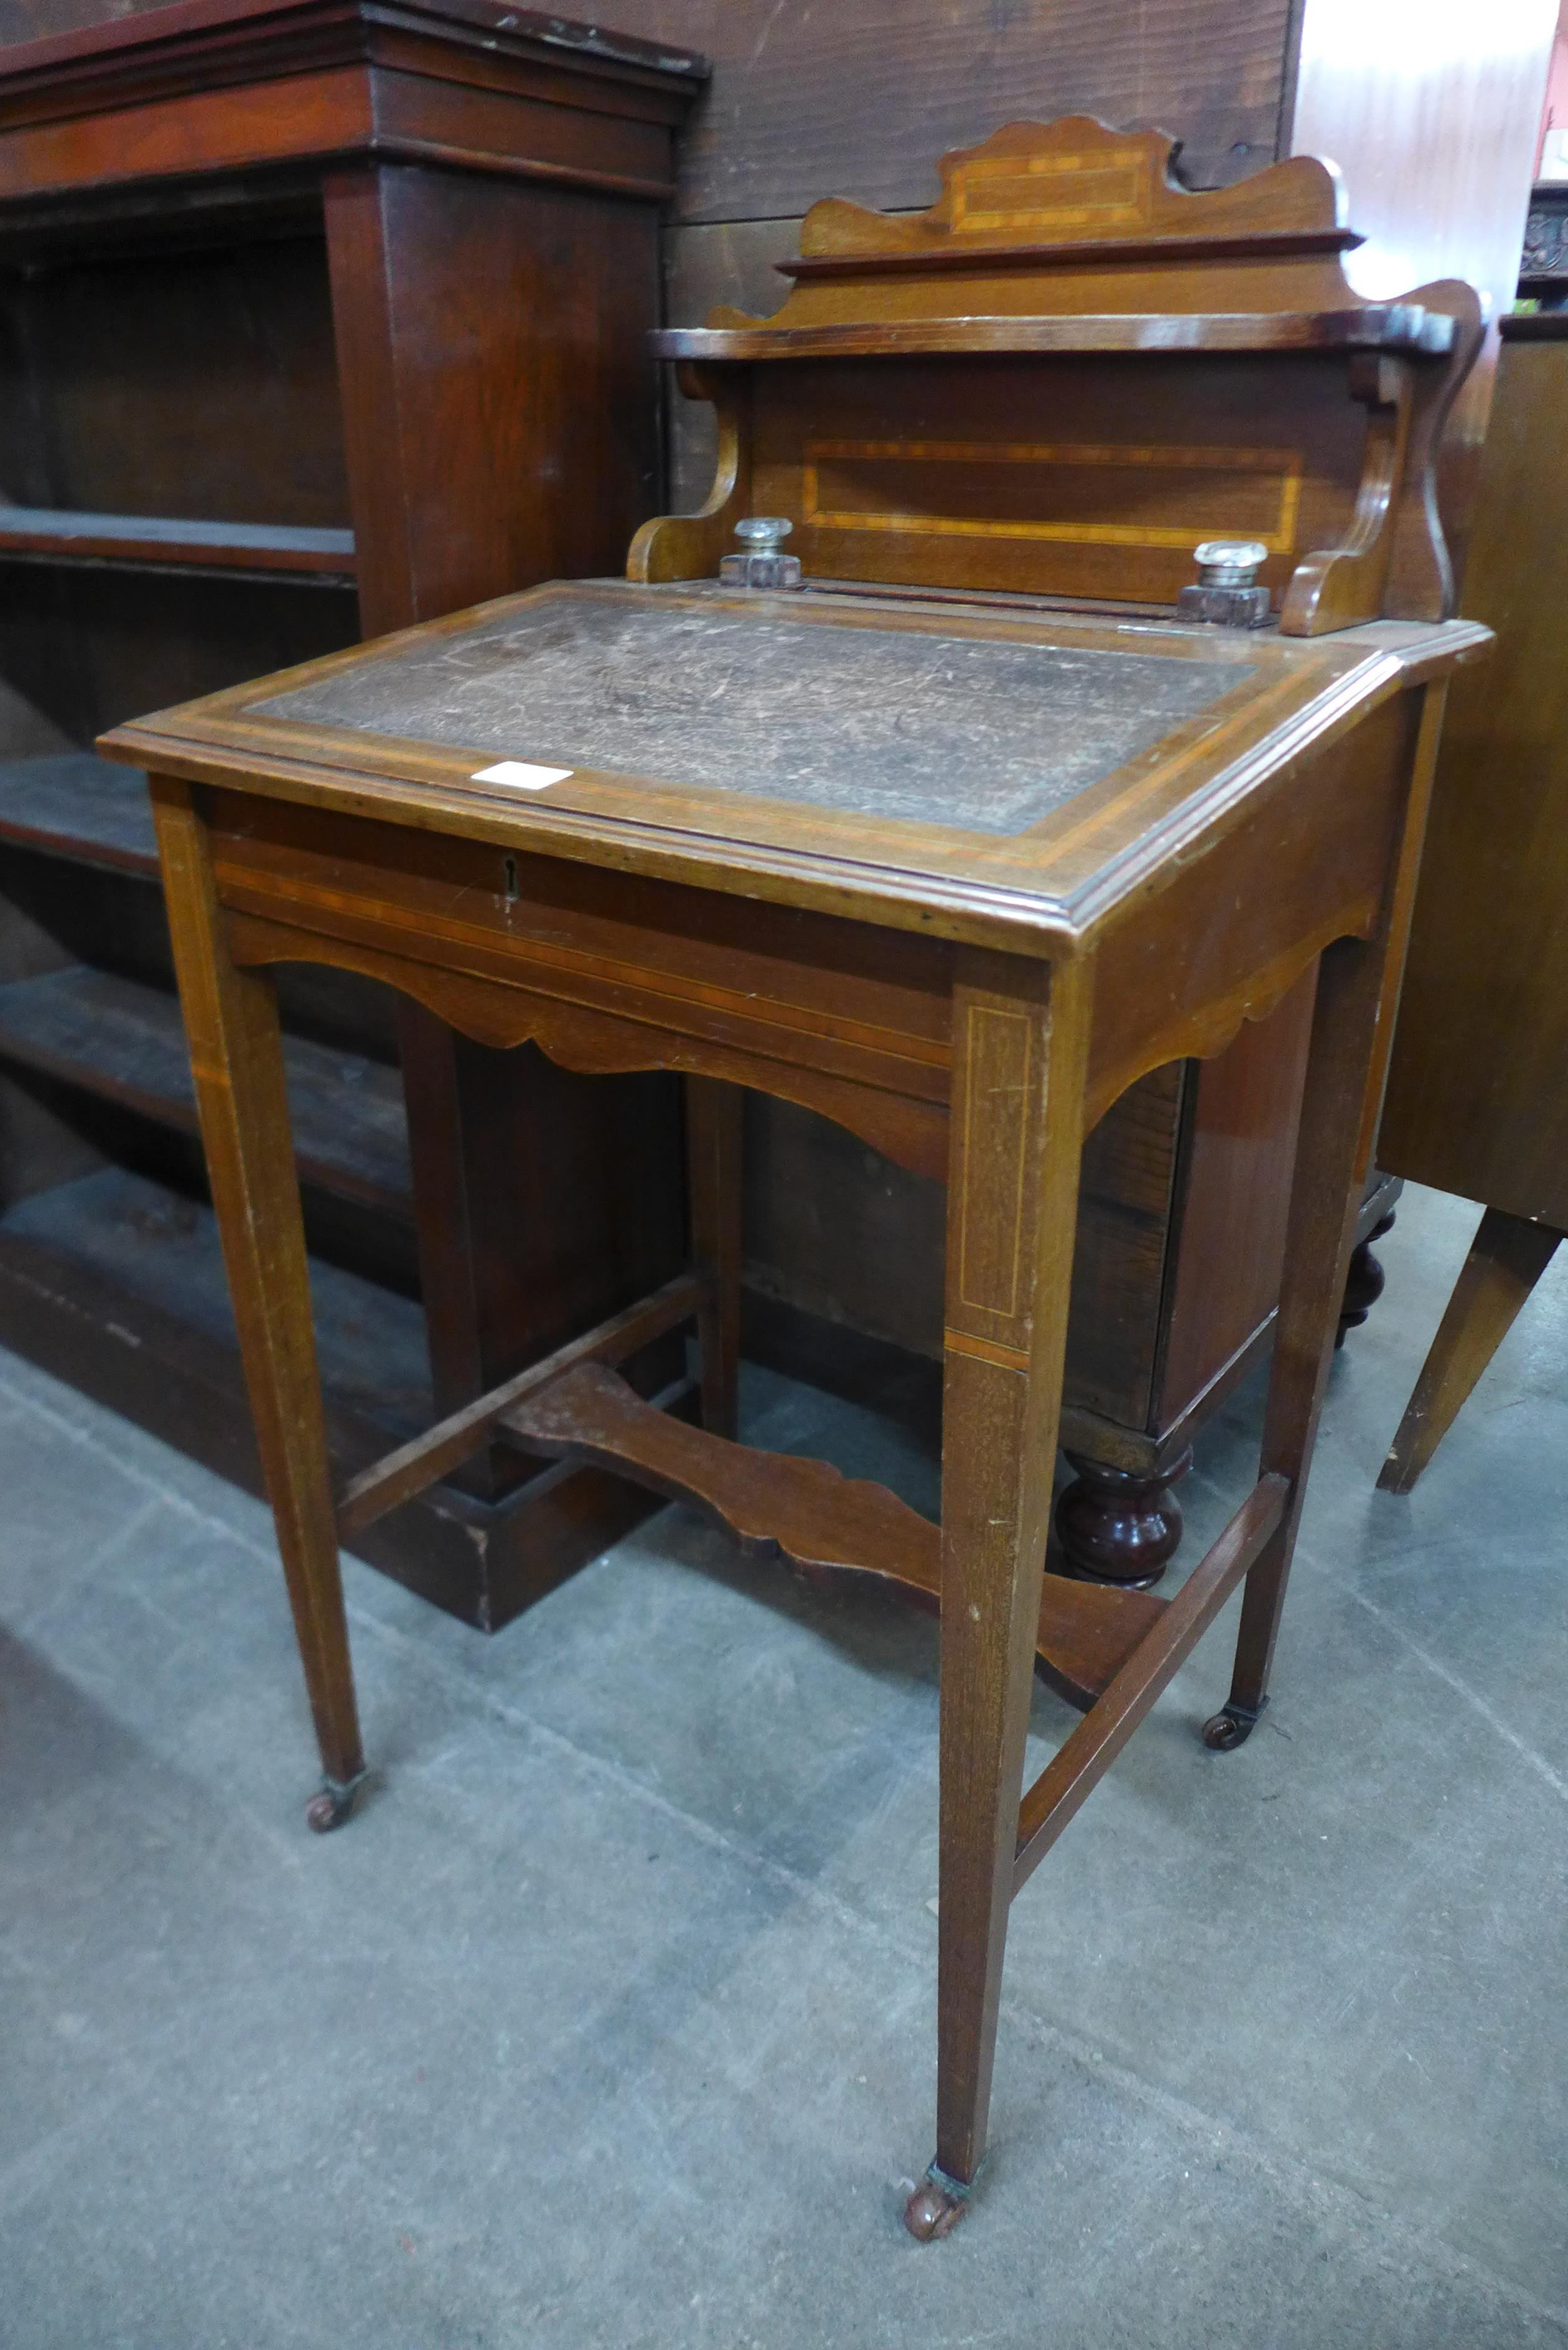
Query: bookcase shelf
{"x":76,"y":805}
{"x":124,"y":1042}
{"x":135,"y":542}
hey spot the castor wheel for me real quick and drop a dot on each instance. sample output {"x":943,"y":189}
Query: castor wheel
{"x":936,"y":2207}
{"x":1230,"y":1727}
{"x":331,"y":1804}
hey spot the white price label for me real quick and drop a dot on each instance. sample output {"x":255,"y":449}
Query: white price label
{"x":520,"y":775}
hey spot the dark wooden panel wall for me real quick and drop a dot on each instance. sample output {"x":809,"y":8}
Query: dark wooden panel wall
{"x":858,"y":98}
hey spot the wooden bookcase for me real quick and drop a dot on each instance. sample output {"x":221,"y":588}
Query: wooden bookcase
{"x":316,"y":320}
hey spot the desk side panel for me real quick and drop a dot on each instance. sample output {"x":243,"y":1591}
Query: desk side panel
{"x":1306,"y":863}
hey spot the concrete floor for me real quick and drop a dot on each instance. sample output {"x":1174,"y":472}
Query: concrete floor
{"x":608,"y":2022}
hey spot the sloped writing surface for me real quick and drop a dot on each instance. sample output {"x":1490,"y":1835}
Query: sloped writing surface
{"x":977,"y":734}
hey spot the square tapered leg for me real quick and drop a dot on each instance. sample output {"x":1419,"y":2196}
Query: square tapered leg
{"x":236,"y":1058}
{"x":1020,"y":1035}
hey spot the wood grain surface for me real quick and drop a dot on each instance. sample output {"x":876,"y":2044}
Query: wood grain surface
{"x":123,"y":1042}
{"x":236,"y":1052}
{"x":1074,"y":240}
{"x":786,"y":117}
{"x":1506,"y":1259}
{"x":500,"y":430}
{"x":806,"y":1512}
{"x":1477,"y":1092}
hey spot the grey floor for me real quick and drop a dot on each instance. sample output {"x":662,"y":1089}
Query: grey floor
{"x":609,"y":2020}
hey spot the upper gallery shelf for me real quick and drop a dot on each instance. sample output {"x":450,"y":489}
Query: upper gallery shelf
{"x":1073,"y":248}
{"x":64,"y":535}
{"x":1403,"y":327}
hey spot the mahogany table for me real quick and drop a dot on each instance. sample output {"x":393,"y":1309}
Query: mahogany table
{"x":955,"y":875}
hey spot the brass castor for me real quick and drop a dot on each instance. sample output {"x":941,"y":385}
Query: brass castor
{"x":936,"y":2207}
{"x":1231,"y":1727}
{"x":331,"y":1804}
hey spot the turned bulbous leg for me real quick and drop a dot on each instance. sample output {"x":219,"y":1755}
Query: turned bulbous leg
{"x":1118,"y":1526}
{"x":1364,"y":1282}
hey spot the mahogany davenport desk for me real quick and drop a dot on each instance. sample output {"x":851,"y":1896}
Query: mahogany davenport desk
{"x":812,"y":844}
